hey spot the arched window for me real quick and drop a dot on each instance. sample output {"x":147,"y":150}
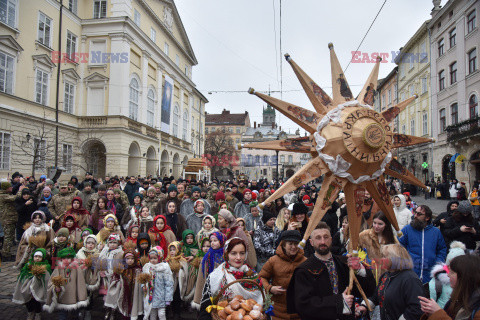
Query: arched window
{"x":473,"y":104}
{"x":185,"y":125}
{"x":150,"y":108}
{"x":176,"y":118}
{"x":257,"y":160}
{"x":134,"y":93}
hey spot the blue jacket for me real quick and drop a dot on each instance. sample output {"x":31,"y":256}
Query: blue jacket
{"x":426,"y":247}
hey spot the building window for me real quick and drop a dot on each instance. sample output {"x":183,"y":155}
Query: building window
{"x":136,"y":17}
{"x":423,"y":51}
{"x":441,"y":80}
{"x":206,"y":130}
{"x":454,"y":113}
{"x":230,"y":130}
{"x":425,"y":124}
{"x":176,"y":117}
{"x":133,"y":105}
{"x":153,"y":34}
{"x":395,"y":91}
{"x":69,"y":99}
{"x":384,"y":101}
{"x":166,"y":48}
{"x":150,"y":108}
{"x":213,"y":129}
{"x":265,"y":160}
{"x":290,"y":159}
{"x":424,"y":85}
{"x":473,"y":105}
{"x":237,"y":141}
{"x":389,"y":97}
{"x":452,"y":35}
{"x":8,"y":12}
{"x":411,"y":61}
{"x":282,"y":159}
{"x":186,"y":70}
{"x":40,"y":154}
{"x":453,"y":72}
{"x":71,"y":45}
{"x":99,"y":9}
{"x":44,"y":29}
{"x":185,"y":125}
{"x":5,"y":150}
{"x":412,"y":127}
{"x":67,"y":155}
{"x":471,"y":21}
{"x":404,"y":129}
{"x":7,"y":64}
{"x":443,"y":120}
{"x":472,"y":61}
{"x":177,"y":60}
{"x":41,"y":87}
{"x":72,"y":6}
{"x":441,"y":46}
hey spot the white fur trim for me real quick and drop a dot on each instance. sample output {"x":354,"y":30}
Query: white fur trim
{"x":457,"y":244}
{"x":401,"y":317}
{"x":93,"y":287}
{"x":195,"y":306}
{"x":18,"y":301}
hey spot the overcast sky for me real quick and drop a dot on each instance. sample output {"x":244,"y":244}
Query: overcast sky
{"x":237,"y":45}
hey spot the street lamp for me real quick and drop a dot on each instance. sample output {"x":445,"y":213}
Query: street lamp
{"x":276,"y":177}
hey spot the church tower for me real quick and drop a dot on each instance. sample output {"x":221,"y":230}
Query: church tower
{"x":268,"y":116}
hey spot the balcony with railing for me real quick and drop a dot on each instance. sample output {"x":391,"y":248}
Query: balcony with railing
{"x":463,"y":130}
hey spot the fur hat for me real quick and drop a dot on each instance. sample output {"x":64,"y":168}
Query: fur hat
{"x":196,"y":189}
{"x":291,"y":235}
{"x":299,"y":208}
{"x":63,"y":232}
{"x":246,"y":190}
{"x":227,"y":215}
{"x":267,"y":215}
{"x":219,"y":196}
{"x":172,"y":187}
{"x":457,"y":248}
{"x":465,"y":207}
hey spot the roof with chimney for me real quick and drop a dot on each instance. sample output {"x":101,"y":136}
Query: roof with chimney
{"x":226,"y":118}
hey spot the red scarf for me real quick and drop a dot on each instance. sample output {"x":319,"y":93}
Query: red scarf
{"x":165,"y":225}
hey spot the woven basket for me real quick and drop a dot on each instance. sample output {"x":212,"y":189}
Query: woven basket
{"x":219,"y":297}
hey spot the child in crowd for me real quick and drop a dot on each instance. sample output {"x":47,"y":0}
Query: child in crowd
{"x":160,"y":233}
{"x":212,"y":259}
{"x":109,"y":257}
{"x":70,"y":222}
{"x":110,"y":226}
{"x":97,"y":217}
{"x":66,"y":291}
{"x":125,"y":292}
{"x":59,"y":243}
{"x":208,"y":227}
{"x":37,"y":235}
{"x":145,"y":220}
{"x":86,"y":259}
{"x":143,"y":245}
{"x":179,"y":268}
{"x":132,"y":234}
{"x":81,"y":214}
{"x":159,"y":290}
{"x":189,"y":251}
{"x":134,"y":211}
{"x":31,"y":286}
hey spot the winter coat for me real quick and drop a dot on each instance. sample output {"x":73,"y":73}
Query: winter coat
{"x":82,"y":216}
{"x":310,"y":292}
{"x":127,"y":298}
{"x":403,"y":215}
{"x":242,"y":210}
{"x":43,"y":206}
{"x":161,"y":206}
{"x":462,"y":314}
{"x":440,"y":283}
{"x":85,"y":196}
{"x":426,"y":247}
{"x":264,"y":242}
{"x":186,"y":209}
{"x":24,"y":211}
{"x":60,"y":203}
{"x":452,"y":230}
{"x":27,"y":246}
{"x":130,"y":189}
{"x":150,"y":203}
{"x":397,"y":294}
{"x":194,"y":221}
{"x":278,"y":271}
{"x":339,"y":243}
{"x":8,"y":213}
{"x":159,"y":288}
{"x":443,"y":215}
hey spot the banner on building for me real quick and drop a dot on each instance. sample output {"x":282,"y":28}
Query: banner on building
{"x":166,"y":104}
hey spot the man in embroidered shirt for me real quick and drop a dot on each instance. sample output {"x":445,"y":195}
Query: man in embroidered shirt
{"x":318,"y":286}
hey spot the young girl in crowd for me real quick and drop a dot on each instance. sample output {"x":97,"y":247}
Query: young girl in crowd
{"x":125,"y":292}
{"x":179,"y":268}
{"x":109,"y":257}
{"x":70,"y":222}
{"x":242,"y":223}
{"x":31,"y":287}
{"x":134,"y":211}
{"x":145,"y":220}
{"x":194,"y":220}
{"x":59,"y":243}
{"x":85,"y":232}
{"x":161,"y":233}
{"x":208,"y":227}
{"x":68,"y":293}
{"x":86,"y":258}
{"x":189,"y":251}
{"x":97,"y":218}
{"x":38,"y":234}
{"x":132,"y":235}
{"x":282,"y":219}
{"x":212,"y":259}
{"x":81,"y":214}
{"x":143,"y":245}
{"x":110,"y":226}
{"x":159,"y":290}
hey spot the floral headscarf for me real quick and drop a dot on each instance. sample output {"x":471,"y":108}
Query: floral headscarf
{"x":213,"y":257}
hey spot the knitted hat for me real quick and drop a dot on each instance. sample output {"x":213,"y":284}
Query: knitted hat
{"x":172,"y":187}
{"x":196,"y":189}
{"x":246,"y":190}
{"x":254,"y":196}
{"x":138,"y":194}
{"x":457,"y":248}
{"x":306,"y":197}
{"x":47,"y":189}
{"x":299,"y":208}
{"x":227,"y":215}
{"x":6,"y":185}
{"x":49,"y":182}
{"x":87,"y":231}
{"x":41,"y":213}
{"x":465,"y":207}
{"x":63,"y":232}
{"x":40,"y":253}
{"x":67,"y":253}
{"x":291,"y":235}
{"x":219,"y":196}
{"x":102,"y":187}
{"x":267,"y":215}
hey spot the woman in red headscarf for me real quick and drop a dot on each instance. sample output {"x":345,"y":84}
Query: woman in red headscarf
{"x":82,"y":216}
{"x":161,"y":230}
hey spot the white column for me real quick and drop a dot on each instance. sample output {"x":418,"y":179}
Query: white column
{"x":180,"y":123}
{"x":142,"y":113}
{"x":118,"y":93}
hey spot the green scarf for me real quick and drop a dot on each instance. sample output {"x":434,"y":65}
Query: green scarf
{"x":200,"y":252}
{"x":186,"y":248}
{"x":26,"y":273}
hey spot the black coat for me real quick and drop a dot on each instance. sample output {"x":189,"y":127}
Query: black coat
{"x":452,"y":232}
{"x":130,"y":189}
{"x":24,"y":212}
{"x":400,"y":295}
{"x":310,"y":292}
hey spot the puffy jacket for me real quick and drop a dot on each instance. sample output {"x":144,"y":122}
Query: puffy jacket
{"x":403,"y":215}
{"x":426,"y":247}
{"x":130,"y":189}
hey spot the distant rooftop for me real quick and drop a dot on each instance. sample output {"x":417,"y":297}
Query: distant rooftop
{"x":225,"y":118}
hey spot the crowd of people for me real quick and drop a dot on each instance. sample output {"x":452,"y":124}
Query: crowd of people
{"x":152,"y":248}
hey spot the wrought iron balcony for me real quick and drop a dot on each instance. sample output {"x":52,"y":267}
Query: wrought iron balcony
{"x":463,"y":130}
